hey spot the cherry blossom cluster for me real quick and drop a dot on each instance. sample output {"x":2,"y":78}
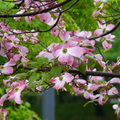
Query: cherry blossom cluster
{"x":76,"y":51}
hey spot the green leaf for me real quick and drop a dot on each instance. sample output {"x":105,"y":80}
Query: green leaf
{"x":105,"y":6}
{"x":82,"y":67}
{"x":22,"y":75}
{"x":32,"y":86}
{"x":98,"y":66}
{"x":55,"y":71}
{"x":34,"y":64}
{"x":33,"y":77}
{"x":41,"y":60}
{"x":64,"y":68}
{"x":98,"y":3}
{"x":91,"y":63}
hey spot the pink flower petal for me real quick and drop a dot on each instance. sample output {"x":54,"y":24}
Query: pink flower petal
{"x":7,"y":70}
{"x":67,"y":77}
{"x":115,"y":80}
{"x":110,"y":26}
{"x":106,"y":45}
{"x":98,"y":32}
{"x":76,"y":51}
{"x":64,"y":36}
{"x":17,"y":97}
{"x":2,"y":99}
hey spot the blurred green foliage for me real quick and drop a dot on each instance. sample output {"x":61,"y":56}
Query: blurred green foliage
{"x":22,"y":112}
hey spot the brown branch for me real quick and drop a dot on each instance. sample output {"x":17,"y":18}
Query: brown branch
{"x":35,"y":13}
{"x":92,"y":73}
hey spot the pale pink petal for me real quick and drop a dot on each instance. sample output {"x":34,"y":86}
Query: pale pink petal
{"x":45,"y":17}
{"x":110,"y":26}
{"x":99,"y":57}
{"x":102,"y":24}
{"x":55,"y":31}
{"x":67,"y":77}
{"x":106,"y":45}
{"x":76,"y":51}
{"x":39,"y":88}
{"x":10,"y":63}
{"x":81,"y":81}
{"x":115,"y":80}
{"x":87,"y":95}
{"x":59,"y":85}
{"x":66,"y":58}
{"x":11,"y":95}
{"x":17,"y":97}
{"x":115,"y":106}
{"x":58,"y":52}
{"x":98,"y":32}
{"x":51,"y":22}
{"x":7,"y":70}
{"x":102,"y":100}
{"x":2,"y":99}
{"x":113,"y":91}
{"x":64,"y":35}
{"x":16,"y":57}
{"x":9,"y":45}
{"x":21,"y":85}
{"x":46,"y":54}
{"x":3,"y":114}
{"x":27,"y":3}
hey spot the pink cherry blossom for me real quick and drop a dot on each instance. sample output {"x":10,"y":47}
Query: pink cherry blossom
{"x":102,"y":99}
{"x":95,"y":14}
{"x":6,"y":68}
{"x":15,"y":92}
{"x":59,"y":82}
{"x":83,"y":34}
{"x":55,"y":31}
{"x":29,"y":18}
{"x":67,"y":39}
{"x":115,"y":80}
{"x":67,"y":54}
{"x":108,"y":38}
{"x":46,"y":54}
{"x":4,"y":27}
{"x":116,"y":108}
{"x":2,"y":99}
{"x":96,"y":79}
{"x":3,"y":114}
{"x":45,"y":17}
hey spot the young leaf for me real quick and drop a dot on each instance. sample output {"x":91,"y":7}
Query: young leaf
{"x":55,"y":71}
{"x":98,"y":66}
{"x":33,"y":77}
{"x":22,"y":75}
{"x":82,"y":67}
{"x":91,"y":63}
